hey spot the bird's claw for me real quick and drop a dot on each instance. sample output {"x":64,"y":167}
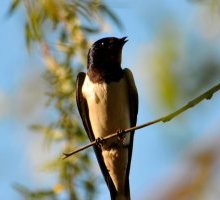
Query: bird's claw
{"x":99,"y":142}
{"x":121,"y":135}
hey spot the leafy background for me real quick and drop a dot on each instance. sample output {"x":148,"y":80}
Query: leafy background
{"x":173,"y":51}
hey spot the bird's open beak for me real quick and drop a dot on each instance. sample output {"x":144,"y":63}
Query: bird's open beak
{"x":123,"y":40}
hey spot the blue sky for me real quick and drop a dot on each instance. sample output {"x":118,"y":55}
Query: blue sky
{"x":153,"y":157}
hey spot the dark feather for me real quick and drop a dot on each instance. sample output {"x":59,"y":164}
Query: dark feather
{"x":133,"y":103}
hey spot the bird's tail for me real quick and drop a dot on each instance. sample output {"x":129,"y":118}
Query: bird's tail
{"x":122,"y":197}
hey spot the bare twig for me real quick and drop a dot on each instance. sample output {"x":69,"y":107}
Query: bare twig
{"x":207,"y":95}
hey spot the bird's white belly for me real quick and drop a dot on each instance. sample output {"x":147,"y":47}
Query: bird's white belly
{"x":108,"y":112}
{"x":108,"y":106}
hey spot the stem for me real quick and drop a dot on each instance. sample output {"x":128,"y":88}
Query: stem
{"x":207,"y":95}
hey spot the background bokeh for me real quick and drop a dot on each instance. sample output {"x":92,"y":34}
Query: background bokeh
{"x":174,"y":53}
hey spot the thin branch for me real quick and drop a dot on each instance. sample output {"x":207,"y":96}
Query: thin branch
{"x":207,"y":95}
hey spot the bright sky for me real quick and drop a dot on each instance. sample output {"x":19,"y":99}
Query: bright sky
{"x":152,"y":158}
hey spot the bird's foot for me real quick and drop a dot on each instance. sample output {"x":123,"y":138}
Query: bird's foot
{"x":121,"y":135}
{"x":99,"y":142}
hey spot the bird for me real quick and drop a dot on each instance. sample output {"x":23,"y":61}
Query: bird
{"x":107,"y":100}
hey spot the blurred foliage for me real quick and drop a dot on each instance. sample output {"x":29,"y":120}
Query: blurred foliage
{"x":181,"y":68}
{"x":29,"y":195}
{"x":163,"y":63}
{"x":182,"y":63}
{"x":61,"y":28}
{"x":193,"y":187}
{"x":212,"y":5}
{"x":195,"y":177}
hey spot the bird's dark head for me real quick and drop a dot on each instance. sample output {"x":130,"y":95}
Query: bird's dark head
{"x":106,"y":52}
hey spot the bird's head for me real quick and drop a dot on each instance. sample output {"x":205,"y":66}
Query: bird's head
{"x":106,"y":52}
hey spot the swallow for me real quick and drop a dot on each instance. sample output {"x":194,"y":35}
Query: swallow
{"x":107,"y":101}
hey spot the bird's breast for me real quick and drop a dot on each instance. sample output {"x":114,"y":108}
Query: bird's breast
{"x":108,"y":106}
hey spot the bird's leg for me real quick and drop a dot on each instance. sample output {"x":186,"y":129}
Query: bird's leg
{"x":121,"y":135}
{"x":99,"y":142}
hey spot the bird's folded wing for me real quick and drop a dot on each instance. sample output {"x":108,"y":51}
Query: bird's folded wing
{"x":133,"y":107}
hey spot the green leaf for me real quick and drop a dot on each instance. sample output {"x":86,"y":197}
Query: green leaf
{"x":105,"y":10}
{"x":28,"y":36}
{"x":84,"y":11}
{"x":38,"y":195}
{"x":13,"y":6}
{"x":88,"y":29}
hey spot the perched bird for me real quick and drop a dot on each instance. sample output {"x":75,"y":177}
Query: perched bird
{"x":107,"y":100}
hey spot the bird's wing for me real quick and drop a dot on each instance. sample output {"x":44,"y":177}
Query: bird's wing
{"x":84,"y":113}
{"x":133,"y":106}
